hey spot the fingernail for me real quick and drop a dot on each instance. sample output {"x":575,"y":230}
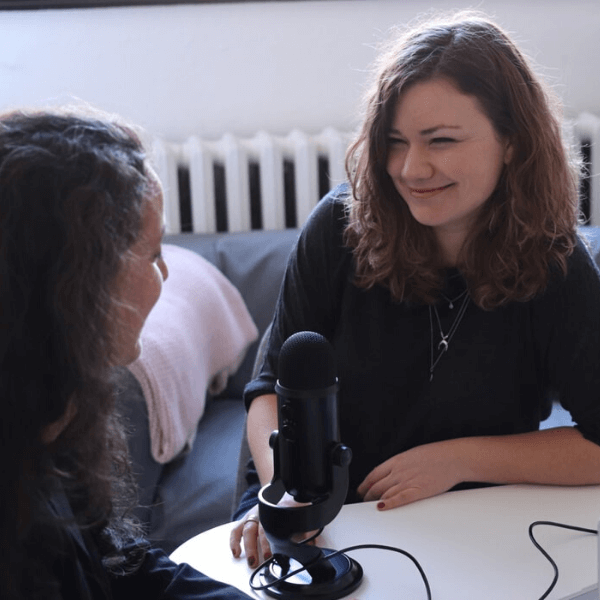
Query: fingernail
{"x":251,"y":561}
{"x":235,"y":554}
{"x":381,"y":505}
{"x":268,"y":555}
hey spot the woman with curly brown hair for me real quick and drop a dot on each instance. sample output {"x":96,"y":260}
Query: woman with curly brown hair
{"x":450,"y":280}
{"x":80,"y":269}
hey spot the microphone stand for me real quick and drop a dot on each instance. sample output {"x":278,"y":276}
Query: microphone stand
{"x":328,"y":578}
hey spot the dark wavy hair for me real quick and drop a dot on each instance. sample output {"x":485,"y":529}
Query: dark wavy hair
{"x":527,"y":227}
{"x":72,"y":191}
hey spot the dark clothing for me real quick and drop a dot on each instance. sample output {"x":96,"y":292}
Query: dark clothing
{"x":68,"y":566}
{"x":500,"y":371}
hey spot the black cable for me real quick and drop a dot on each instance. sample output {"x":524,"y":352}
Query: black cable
{"x":550,"y":559}
{"x":257,"y":588}
{"x":414,"y":560}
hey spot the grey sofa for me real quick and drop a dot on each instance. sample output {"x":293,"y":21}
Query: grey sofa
{"x":196,"y":492}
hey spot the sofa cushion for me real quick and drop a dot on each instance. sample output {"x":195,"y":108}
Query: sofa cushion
{"x":194,"y":338}
{"x":254,"y":262}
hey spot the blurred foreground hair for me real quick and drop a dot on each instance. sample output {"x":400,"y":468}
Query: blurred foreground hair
{"x":72,"y":190}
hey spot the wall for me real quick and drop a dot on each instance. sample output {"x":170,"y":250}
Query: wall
{"x":240,"y":67}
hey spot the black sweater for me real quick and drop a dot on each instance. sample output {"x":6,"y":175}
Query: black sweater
{"x":500,"y":371}
{"x":63,"y":563}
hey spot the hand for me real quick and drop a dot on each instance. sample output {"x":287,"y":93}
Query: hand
{"x":251,"y":531}
{"x":256,"y":545}
{"x":416,"y":474}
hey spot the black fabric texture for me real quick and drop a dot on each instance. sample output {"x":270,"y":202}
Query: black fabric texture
{"x":499,"y":376}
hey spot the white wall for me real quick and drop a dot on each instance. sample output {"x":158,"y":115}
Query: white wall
{"x":239,"y":67}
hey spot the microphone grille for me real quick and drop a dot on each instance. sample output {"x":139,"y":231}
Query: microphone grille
{"x":306,"y":362}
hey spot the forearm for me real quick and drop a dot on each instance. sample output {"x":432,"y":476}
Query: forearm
{"x":262,"y":421}
{"x":560,"y":456}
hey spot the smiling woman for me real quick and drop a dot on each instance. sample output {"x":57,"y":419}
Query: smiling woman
{"x":452,"y":284}
{"x":445,"y":159}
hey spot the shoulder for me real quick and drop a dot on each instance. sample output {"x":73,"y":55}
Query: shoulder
{"x":323,"y":231}
{"x":331,"y":210}
{"x":575,"y":293}
{"x":582,"y":271}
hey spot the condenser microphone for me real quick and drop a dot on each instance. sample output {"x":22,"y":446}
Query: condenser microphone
{"x":311,"y":464}
{"x":307,"y":415}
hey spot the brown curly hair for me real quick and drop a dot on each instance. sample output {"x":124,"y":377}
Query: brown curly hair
{"x":528,"y":225}
{"x":72,"y":192}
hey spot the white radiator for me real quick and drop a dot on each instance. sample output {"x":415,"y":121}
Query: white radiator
{"x":586,"y":137}
{"x":273,"y":182}
{"x":239,"y":184}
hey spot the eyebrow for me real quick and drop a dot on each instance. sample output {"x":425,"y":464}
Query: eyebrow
{"x":430,"y":130}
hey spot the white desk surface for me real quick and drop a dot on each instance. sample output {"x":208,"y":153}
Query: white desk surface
{"x":472,"y":545}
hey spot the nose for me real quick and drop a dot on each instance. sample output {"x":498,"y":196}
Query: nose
{"x":417,"y":165}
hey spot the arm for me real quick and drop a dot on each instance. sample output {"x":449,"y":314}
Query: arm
{"x":560,"y":456}
{"x":159,"y":577}
{"x":564,"y":328}
{"x":262,"y":421}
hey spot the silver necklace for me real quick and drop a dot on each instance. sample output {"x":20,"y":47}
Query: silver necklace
{"x":445,"y":337}
{"x":451,"y":301}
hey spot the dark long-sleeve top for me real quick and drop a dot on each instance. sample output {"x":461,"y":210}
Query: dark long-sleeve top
{"x":501,"y":369}
{"x":68,"y":566}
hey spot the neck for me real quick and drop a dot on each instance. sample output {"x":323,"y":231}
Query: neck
{"x":450,"y":245}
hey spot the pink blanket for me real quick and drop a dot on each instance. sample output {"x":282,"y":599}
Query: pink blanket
{"x":194,"y":338}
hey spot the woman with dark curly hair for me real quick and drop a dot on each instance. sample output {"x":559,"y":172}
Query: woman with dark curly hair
{"x":450,"y":280}
{"x":80,"y":268}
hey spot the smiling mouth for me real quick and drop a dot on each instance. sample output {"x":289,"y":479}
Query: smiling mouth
{"x":430,"y":190}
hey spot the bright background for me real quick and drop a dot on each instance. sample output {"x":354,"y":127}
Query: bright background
{"x":240,"y":67}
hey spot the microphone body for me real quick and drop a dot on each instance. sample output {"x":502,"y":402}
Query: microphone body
{"x":308,"y":430}
{"x":307,"y":414}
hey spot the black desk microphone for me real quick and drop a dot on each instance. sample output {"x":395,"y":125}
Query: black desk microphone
{"x":310,"y":464}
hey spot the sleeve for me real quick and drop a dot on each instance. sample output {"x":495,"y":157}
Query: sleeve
{"x":568,"y":329}
{"x":310,"y":294}
{"x":159,"y":578}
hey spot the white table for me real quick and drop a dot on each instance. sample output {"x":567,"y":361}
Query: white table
{"x":472,"y":545}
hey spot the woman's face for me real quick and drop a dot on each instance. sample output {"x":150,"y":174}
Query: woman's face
{"x":140,"y":281}
{"x":445,"y":158}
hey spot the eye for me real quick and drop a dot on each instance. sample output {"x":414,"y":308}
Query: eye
{"x":443,"y":140}
{"x":393,"y":140}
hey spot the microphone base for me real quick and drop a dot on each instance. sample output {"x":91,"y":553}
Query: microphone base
{"x":345,"y":576}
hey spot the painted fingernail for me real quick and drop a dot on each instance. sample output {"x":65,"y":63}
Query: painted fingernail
{"x":381,"y":505}
{"x":268,"y":555}
{"x":251,"y":561}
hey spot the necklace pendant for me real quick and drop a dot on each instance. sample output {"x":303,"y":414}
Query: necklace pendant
{"x":443,"y":345}
{"x":451,"y":306}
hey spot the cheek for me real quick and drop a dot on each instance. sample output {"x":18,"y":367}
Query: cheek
{"x":393,"y":164}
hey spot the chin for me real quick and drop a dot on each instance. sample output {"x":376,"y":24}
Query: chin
{"x":126,"y":358}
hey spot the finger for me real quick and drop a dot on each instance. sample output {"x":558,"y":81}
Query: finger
{"x":398,"y":496}
{"x":235,"y":538}
{"x":374,"y":493}
{"x":379,"y":488}
{"x":264,"y":545}
{"x":373,"y":478}
{"x":250,"y":535}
